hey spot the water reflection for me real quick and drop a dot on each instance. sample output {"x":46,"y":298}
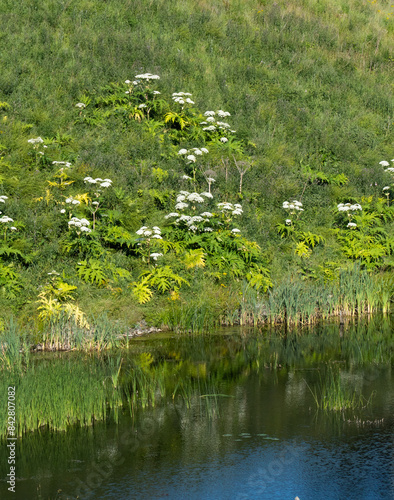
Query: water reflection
{"x":234,"y":418}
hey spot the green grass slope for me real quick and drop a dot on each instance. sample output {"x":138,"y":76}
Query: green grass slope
{"x":309,"y":88}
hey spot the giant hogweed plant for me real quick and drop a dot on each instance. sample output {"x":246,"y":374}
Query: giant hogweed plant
{"x":56,"y":301}
{"x":292,"y":228}
{"x":362,"y":234}
{"x":210,"y":239}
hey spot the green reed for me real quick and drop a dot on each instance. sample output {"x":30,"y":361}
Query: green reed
{"x":331,"y":394}
{"x":60,"y":392}
{"x":297,"y":302}
{"x":65,"y":334}
{"x":193,"y":317}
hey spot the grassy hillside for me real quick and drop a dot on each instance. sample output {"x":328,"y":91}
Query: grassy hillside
{"x":309,"y":91}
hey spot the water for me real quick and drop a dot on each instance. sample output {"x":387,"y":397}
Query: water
{"x":248,"y":428}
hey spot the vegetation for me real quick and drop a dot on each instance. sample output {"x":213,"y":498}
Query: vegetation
{"x":249,"y":184}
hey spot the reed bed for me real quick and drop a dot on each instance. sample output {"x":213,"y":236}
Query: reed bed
{"x":193,"y":317}
{"x":296,"y":302}
{"x":57,"y":393}
{"x":60,"y":335}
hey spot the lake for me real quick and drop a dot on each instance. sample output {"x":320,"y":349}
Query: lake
{"x":235,"y":416}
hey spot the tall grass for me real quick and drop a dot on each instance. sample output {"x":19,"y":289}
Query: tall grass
{"x":65,"y":334}
{"x":331,"y":394}
{"x":293,"y":302}
{"x":192,"y":317}
{"x":14,"y":348}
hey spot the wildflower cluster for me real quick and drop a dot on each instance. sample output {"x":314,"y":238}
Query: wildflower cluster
{"x":205,"y":221}
{"x":293,"y":206}
{"x":184,"y":197}
{"x":96,"y":184}
{"x":348,"y":207}
{"x":386,"y":192}
{"x":147,"y":77}
{"x":189,"y":222}
{"x":154,"y":233}
{"x":230,"y":209}
{"x":387,"y":164}
{"x":214,"y":125}
{"x":191,"y":154}
{"x":80,"y":225}
{"x":35,"y":142}
{"x":141,"y":80}
{"x":6,"y":221}
{"x":148,"y":237}
{"x":71,"y":201}
{"x":182,"y":98}
{"x":101,"y":182}
{"x":156,"y":255}
{"x":390,"y":170}
{"x":351,"y":210}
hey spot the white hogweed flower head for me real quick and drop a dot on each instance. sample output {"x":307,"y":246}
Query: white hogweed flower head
{"x":184,"y":218}
{"x":195,"y":198}
{"x":148,"y":76}
{"x":5,"y":219}
{"x":181,"y":205}
{"x":37,"y":140}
